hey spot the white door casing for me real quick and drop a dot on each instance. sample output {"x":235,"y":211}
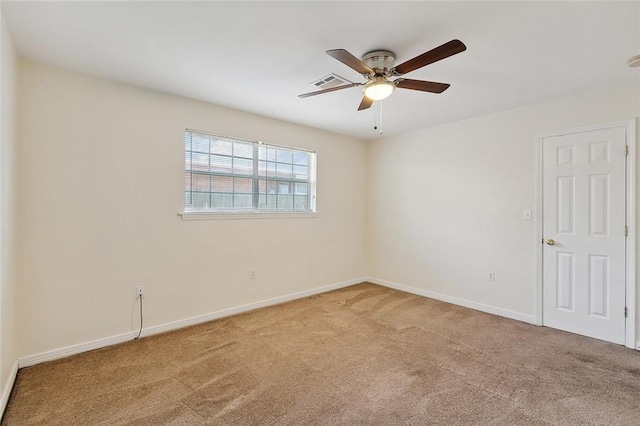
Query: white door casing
{"x":584,"y":207}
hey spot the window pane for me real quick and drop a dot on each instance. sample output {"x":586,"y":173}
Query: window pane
{"x":199,"y":200}
{"x":268,"y":186}
{"x":200,"y":182}
{"x":242,"y":166}
{"x":219,"y":146}
{"x":243,"y":201}
{"x":244,"y":150}
{"x":301,"y":188}
{"x":300,"y":203}
{"x":266,"y":169}
{"x":199,"y":161}
{"x":199,"y":143}
{"x":271,"y":169}
{"x":220,"y":164}
{"x":243,"y":185}
{"x":221,"y":201}
{"x":262,"y":168}
{"x":222,"y":184}
{"x":301,"y":172}
{"x":284,"y":155}
{"x":284,"y":170}
{"x":268,"y":202}
{"x":285,"y":202}
{"x":284,"y":188}
{"x":271,"y":154}
{"x":300,"y":157}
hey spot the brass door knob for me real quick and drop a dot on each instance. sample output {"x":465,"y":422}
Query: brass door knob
{"x":550,"y":242}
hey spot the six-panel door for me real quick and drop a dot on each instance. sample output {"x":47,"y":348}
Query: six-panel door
{"x":584,"y":233}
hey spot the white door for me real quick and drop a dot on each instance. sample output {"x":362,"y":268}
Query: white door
{"x":584,"y":231}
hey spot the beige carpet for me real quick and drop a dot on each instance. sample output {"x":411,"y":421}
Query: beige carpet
{"x":357,"y":356}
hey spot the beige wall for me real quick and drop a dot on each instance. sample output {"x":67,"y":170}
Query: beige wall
{"x":100,"y":184}
{"x":100,"y":168}
{"x":445,"y":204}
{"x":8,"y":343}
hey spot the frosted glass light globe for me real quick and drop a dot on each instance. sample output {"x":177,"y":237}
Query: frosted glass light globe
{"x":378,"y":90}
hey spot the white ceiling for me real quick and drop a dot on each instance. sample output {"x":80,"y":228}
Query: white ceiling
{"x":258,"y":56}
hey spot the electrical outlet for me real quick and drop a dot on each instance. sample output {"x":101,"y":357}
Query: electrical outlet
{"x":491,"y":276}
{"x":252,"y":274}
{"x":140,"y":291}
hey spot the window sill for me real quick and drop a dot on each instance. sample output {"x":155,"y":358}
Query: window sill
{"x":247,"y":215}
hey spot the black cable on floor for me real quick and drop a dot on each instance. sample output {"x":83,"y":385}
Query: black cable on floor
{"x":140,"y":332}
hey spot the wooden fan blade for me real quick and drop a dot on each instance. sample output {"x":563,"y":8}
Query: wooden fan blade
{"x":365,"y":103}
{"x":444,"y":51}
{"x":351,"y":61}
{"x":332,"y":89}
{"x":424,"y":86}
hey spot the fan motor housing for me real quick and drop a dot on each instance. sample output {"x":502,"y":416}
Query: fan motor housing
{"x":379,"y":60}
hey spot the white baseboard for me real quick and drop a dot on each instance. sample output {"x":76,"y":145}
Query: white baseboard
{"x":124,"y":337}
{"x":456,"y":301}
{"x":6,"y":392}
{"x":638,"y":345}
{"x":120,"y":338}
{"x":30,"y":360}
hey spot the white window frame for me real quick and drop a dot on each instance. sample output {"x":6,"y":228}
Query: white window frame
{"x":255,"y":212}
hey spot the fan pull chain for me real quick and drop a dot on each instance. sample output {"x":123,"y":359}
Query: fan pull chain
{"x":377,"y":125}
{"x":375,"y":120}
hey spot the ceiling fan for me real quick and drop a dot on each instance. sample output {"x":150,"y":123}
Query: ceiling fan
{"x":377,"y":67}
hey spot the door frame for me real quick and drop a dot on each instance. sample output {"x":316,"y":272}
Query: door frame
{"x":630,"y":213}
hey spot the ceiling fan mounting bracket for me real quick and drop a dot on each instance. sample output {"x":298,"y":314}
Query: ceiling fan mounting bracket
{"x":379,"y":60}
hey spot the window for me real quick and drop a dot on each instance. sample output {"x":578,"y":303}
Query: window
{"x":225,"y":174}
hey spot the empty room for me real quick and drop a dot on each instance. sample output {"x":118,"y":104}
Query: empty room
{"x":319,"y":213}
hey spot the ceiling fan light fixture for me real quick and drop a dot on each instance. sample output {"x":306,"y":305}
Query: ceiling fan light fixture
{"x":379,"y":89}
{"x":378,"y":66}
